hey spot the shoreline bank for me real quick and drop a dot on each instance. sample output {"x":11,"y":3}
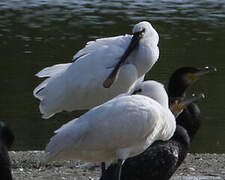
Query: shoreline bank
{"x":29,"y":165}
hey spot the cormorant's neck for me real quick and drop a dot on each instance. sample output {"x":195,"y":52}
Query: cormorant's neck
{"x":190,"y":119}
{"x":176,"y":89}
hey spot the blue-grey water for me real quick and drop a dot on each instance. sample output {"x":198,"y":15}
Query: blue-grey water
{"x":41,"y":33}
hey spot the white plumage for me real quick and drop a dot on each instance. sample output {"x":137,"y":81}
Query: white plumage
{"x":120,"y":128}
{"x":79,"y":85}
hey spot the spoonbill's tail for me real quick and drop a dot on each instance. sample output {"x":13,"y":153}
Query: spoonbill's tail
{"x":48,"y":94}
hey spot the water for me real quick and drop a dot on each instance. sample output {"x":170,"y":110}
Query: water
{"x":36,"y":34}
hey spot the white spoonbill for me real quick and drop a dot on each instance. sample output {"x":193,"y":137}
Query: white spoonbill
{"x":101,"y":70}
{"x":122,"y":127}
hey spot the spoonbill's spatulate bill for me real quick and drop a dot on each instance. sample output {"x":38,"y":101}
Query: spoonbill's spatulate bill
{"x":122,"y":127}
{"x":102,"y":70}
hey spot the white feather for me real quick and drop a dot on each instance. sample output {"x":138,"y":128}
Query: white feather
{"x":70,"y":123}
{"x":53,"y":70}
{"x":118,"y":41}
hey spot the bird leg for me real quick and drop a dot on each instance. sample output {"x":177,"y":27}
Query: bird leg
{"x":103,"y":168}
{"x":119,"y":169}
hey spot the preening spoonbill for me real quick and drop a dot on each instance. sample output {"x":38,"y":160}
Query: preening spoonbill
{"x":103,"y":69}
{"x":120,"y":128}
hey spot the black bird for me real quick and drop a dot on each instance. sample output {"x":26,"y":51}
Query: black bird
{"x":179,"y":81}
{"x":6,"y":141}
{"x":163,"y":158}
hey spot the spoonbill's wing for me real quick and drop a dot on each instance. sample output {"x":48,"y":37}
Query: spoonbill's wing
{"x":49,"y":72}
{"x":53,"y":70}
{"x":123,"y":122}
{"x":64,"y":126}
{"x":119,"y":41}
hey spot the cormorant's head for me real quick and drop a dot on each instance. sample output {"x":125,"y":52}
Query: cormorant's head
{"x":183,"y":77}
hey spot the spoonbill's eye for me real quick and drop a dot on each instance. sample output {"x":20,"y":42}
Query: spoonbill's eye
{"x":137,"y":91}
{"x":142,"y":32}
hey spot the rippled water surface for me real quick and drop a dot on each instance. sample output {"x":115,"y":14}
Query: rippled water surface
{"x":40,"y":33}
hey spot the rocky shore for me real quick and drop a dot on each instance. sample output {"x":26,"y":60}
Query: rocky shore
{"x":27,"y":165}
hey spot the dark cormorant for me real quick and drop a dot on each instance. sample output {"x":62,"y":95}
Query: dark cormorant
{"x":6,"y":141}
{"x":179,"y":81}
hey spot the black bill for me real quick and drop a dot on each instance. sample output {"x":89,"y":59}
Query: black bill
{"x":205,"y":70}
{"x":114,"y":74}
